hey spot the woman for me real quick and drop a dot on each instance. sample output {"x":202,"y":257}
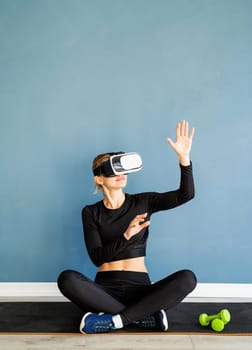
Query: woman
{"x":116,"y":232}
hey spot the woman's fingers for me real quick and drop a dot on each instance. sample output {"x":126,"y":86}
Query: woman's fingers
{"x":139,"y":221}
{"x":139,"y":218}
{"x":178,"y":131}
{"x":136,"y":225}
{"x":185,"y":128}
{"x":191,"y":133}
{"x":182,"y":129}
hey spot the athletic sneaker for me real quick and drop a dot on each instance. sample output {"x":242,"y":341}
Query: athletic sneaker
{"x":93,"y":323}
{"x":157,"y":321}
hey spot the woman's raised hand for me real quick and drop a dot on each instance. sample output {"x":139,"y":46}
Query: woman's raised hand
{"x":182,"y":145}
{"x":136,"y":225}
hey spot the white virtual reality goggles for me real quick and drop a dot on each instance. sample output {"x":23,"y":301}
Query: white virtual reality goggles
{"x":120,"y":163}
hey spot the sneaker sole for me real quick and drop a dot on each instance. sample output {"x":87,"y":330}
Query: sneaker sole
{"x":165,"y":320}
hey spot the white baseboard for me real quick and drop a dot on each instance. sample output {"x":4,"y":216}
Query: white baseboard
{"x":204,"y":292}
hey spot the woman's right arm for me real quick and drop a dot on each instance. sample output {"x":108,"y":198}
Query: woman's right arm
{"x":98,"y":252}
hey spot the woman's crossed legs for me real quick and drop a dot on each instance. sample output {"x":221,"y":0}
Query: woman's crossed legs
{"x":124,"y":295}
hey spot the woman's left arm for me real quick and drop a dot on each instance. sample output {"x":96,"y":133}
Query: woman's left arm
{"x":185,"y":192}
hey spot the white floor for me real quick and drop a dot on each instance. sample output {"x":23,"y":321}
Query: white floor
{"x":125,"y":342}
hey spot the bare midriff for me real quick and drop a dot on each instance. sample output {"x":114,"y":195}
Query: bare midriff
{"x":134,"y":264}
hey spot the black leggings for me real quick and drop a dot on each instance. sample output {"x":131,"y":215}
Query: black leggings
{"x":127,"y":293}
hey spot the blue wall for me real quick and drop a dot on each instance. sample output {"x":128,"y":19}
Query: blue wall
{"x":81,"y":77}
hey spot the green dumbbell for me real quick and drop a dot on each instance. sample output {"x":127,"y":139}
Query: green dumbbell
{"x":217,"y":321}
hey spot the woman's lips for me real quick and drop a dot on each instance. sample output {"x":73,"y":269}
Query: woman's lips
{"x":120,"y":178}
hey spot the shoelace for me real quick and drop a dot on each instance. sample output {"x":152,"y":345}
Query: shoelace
{"x":148,"y":322}
{"x":101,"y":326}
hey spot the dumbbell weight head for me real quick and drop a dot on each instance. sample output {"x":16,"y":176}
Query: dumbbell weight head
{"x":225,"y":316}
{"x":217,"y":325}
{"x":204,"y":319}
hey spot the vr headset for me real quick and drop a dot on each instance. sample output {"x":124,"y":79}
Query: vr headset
{"x":120,"y":163}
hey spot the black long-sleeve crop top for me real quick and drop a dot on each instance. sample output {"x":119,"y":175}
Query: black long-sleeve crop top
{"x":104,"y":228}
